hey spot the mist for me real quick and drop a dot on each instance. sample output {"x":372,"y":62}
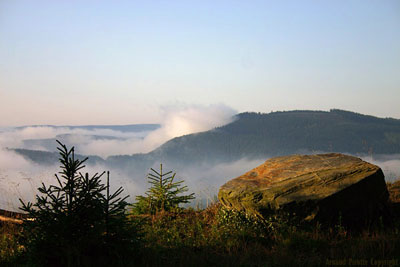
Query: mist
{"x":390,"y":165}
{"x":206,"y":180}
{"x":20,"y":178}
{"x":177,"y":120}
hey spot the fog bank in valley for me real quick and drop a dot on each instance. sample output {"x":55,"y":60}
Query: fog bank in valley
{"x":390,"y":165}
{"x":19,"y":178}
{"x":177,"y":121}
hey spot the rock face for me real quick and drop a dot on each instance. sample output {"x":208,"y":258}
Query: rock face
{"x":314,"y":187}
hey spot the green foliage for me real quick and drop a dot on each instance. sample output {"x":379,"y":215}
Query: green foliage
{"x":235,"y":228}
{"x":234,"y":219}
{"x":224,"y":237}
{"x":165,"y":194}
{"x":77,"y":221}
{"x":221,"y":237}
{"x":175,"y":230}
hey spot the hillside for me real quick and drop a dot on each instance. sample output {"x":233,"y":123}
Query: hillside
{"x":255,"y":135}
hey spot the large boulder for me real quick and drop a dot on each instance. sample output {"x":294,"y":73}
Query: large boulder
{"x":322,"y":187}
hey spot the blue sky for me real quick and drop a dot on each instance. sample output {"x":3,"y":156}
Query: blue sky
{"x":117,"y":62}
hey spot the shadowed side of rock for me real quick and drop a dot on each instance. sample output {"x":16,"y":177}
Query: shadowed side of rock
{"x":360,"y":203}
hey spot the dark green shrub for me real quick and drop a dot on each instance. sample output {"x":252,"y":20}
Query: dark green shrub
{"x":77,"y":222}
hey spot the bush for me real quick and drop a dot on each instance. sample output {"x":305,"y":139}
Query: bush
{"x":77,"y":222}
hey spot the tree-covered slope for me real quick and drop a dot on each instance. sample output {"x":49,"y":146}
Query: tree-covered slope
{"x":255,"y":135}
{"x":281,"y":133}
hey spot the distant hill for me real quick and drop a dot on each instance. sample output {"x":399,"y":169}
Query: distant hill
{"x":120,"y":128}
{"x":255,"y":135}
{"x":51,"y":158}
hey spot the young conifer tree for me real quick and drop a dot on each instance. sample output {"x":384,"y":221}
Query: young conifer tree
{"x":165,"y":194}
{"x":77,"y":221}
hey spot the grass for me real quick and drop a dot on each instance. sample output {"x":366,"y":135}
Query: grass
{"x":218,"y":237}
{"x":10,"y":247}
{"x":191,"y":240}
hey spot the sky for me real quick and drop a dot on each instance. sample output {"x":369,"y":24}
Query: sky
{"x":124,"y":62}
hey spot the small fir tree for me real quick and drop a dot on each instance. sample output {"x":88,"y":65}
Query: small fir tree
{"x":77,"y":222}
{"x":163,"y":195}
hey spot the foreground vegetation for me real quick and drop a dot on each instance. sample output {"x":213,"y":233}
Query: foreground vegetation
{"x":219,"y":237}
{"x":80,"y":223}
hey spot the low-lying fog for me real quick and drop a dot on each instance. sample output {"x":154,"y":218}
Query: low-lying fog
{"x":19,"y":178}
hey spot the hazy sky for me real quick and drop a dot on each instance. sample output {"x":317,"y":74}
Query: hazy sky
{"x":117,"y":62}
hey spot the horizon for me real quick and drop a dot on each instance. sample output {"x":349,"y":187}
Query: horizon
{"x":90,"y":63}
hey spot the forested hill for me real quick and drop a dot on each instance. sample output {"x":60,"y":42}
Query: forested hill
{"x":255,"y":135}
{"x":281,"y":133}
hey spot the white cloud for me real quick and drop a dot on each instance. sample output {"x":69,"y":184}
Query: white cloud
{"x":182,"y":120}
